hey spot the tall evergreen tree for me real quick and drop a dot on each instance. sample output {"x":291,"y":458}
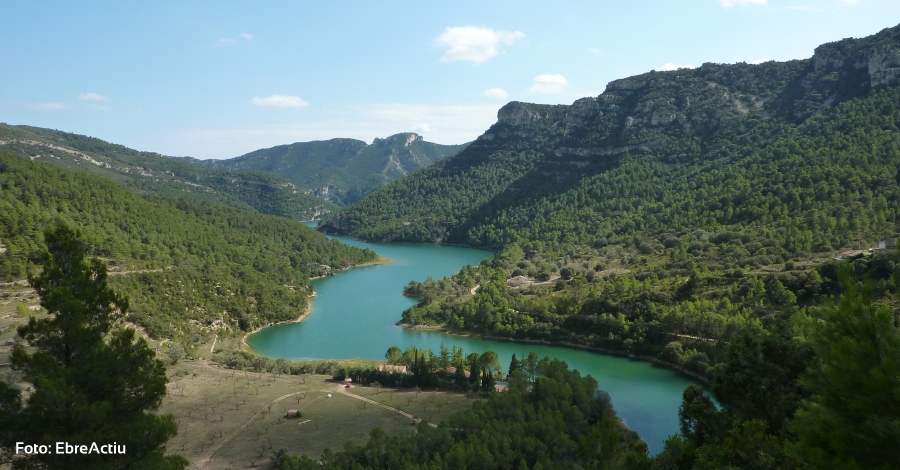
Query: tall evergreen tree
{"x":513,"y":364}
{"x":853,"y":418}
{"x":91,"y":383}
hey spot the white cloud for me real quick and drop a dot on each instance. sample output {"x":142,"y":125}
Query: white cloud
{"x":46,"y":106}
{"x":422,"y":127}
{"x":92,"y":97}
{"x":280,"y":101}
{"x":670,"y":66}
{"x":593,"y":50}
{"x":548,"y":83}
{"x":498,"y":93}
{"x":244,"y":36}
{"x":474,"y":43}
{"x":760,"y":61}
{"x":731,"y":3}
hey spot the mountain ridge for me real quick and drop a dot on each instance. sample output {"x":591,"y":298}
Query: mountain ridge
{"x":536,"y":157}
{"x":152,"y":173}
{"x":342,"y":170}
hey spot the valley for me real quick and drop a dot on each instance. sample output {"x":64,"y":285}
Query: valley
{"x":696,"y":268}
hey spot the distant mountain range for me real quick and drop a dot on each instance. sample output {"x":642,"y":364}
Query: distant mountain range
{"x":152,"y":173}
{"x":300,"y":181}
{"x":342,"y":171}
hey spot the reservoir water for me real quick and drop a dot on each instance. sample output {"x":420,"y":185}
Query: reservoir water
{"x":354,"y":315}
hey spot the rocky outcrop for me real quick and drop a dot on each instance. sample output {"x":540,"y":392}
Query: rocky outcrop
{"x":407,"y":138}
{"x":879,"y":55}
{"x":626,"y":85}
{"x":581,"y":113}
{"x":881,"y":62}
{"x":410,"y":138}
{"x":884,"y":66}
{"x":516,"y":113}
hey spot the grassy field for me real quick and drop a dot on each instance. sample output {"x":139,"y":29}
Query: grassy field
{"x":236,"y":419}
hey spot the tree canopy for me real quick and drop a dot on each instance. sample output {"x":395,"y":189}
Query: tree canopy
{"x":91,"y":382}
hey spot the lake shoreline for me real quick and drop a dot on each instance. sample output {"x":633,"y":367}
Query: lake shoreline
{"x":410,"y":243}
{"x":564,"y":344}
{"x":299,"y":319}
{"x":379,"y":260}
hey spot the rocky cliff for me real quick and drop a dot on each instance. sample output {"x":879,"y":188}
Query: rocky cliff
{"x":537,"y":154}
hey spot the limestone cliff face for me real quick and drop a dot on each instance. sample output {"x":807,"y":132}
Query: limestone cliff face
{"x":882,"y":63}
{"x":878,"y":55}
{"x":884,"y":66}
{"x":516,"y":113}
{"x":659,"y":112}
{"x":581,"y":113}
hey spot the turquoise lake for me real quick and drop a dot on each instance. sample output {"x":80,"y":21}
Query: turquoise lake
{"x":354,"y":315}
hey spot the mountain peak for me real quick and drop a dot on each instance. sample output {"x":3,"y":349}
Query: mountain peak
{"x":406,"y":137}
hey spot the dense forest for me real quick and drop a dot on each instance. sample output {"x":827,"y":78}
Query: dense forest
{"x":736,"y":221}
{"x":151,"y":173}
{"x":815,"y":391}
{"x":668,"y":213}
{"x":609,"y":170}
{"x":194,"y":266}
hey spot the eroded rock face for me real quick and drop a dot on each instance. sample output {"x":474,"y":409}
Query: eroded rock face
{"x":581,"y":113}
{"x":625,"y":85}
{"x":884,"y":66}
{"x":882,"y":62}
{"x":516,"y":113}
{"x":653,"y":111}
{"x":410,"y":138}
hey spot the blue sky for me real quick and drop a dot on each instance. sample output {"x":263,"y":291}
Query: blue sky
{"x":219,"y":79}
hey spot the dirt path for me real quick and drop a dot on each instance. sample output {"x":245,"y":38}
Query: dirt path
{"x":204,"y":463}
{"x":136,"y":271}
{"x":343,"y":390}
{"x":698,"y":338}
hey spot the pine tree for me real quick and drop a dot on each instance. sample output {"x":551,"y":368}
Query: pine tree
{"x":91,"y":383}
{"x":853,"y":418}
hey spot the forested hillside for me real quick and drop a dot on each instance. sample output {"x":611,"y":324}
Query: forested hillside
{"x":668,"y":213}
{"x":194,"y":266}
{"x":735,"y":221}
{"x":342,"y":170}
{"x":802,"y":153}
{"x":151,"y":173}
